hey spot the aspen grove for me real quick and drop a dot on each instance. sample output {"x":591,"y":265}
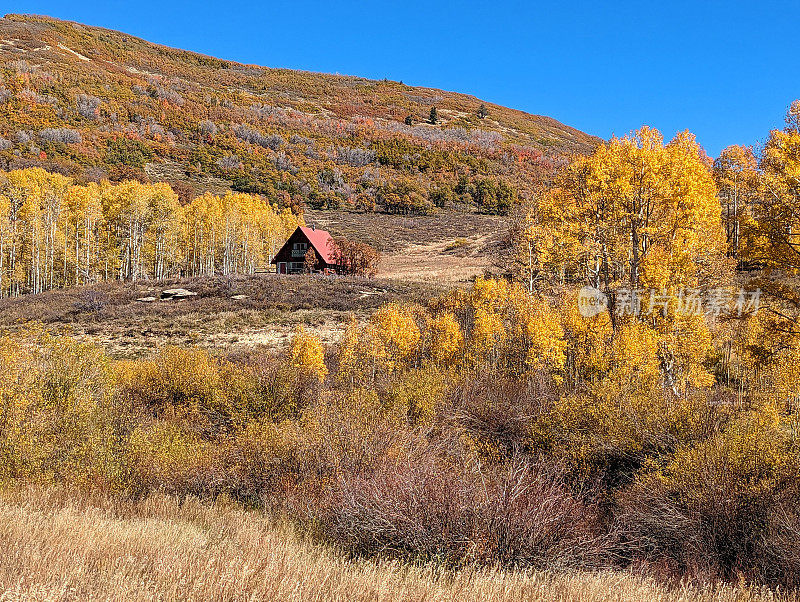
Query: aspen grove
{"x":54,"y":233}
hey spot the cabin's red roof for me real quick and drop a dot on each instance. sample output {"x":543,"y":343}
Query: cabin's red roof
{"x":322,"y":242}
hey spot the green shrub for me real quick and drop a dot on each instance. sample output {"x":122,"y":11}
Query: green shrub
{"x":124,"y":151}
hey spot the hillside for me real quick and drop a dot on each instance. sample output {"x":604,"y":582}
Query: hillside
{"x":93,"y":103}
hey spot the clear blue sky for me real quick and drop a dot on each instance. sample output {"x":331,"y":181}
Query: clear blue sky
{"x":724,"y":70}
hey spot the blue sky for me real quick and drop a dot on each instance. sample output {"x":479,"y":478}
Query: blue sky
{"x":724,"y":70}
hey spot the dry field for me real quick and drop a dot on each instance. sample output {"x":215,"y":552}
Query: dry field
{"x":446,"y":247}
{"x":390,"y":233}
{"x":271,"y":307}
{"x":449,"y":261}
{"x":61,"y":547}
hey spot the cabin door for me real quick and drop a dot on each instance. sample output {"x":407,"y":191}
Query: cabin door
{"x":282,"y":267}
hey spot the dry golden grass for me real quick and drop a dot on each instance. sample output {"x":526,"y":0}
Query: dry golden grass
{"x":449,"y":261}
{"x":446,"y":247}
{"x":57,"y":546}
{"x":393,"y":233}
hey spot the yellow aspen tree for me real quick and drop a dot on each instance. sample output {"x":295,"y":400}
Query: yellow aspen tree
{"x":36,"y":206}
{"x":545,"y":342}
{"x":163,"y":235}
{"x":487,"y":336}
{"x":738,"y":180}
{"x":396,"y":334}
{"x":640,"y":214}
{"x":447,"y":340}
{"x":81,"y":236}
{"x":5,"y":238}
{"x":776,"y":223}
{"x":126,"y":209}
{"x":770,"y":239}
{"x":490,"y":294}
{"x":548,"y":238}
{"x":307,"y":355}
{"x":587,"y":355}
{"x":55,"y":189}
{"x":780,"y":379}
{"x":15,"y":194}
{"x":644,"y":215}
{"x":351,"y":362}
{"x":203,"y":219}
{"x":635,"y":365}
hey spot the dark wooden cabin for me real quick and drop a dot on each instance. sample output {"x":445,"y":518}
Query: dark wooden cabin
{"x":292,"y":255}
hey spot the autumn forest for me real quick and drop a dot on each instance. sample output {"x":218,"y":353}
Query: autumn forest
{"x":614,"y":394}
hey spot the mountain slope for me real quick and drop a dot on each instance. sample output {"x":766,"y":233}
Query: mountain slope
{"x":95,"y":103}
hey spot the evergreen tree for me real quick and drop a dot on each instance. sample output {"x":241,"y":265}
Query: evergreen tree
{"x":483,"y":112}
{"x":434,"y":118}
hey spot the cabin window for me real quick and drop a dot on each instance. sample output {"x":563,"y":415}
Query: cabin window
{"x":299,"y":249}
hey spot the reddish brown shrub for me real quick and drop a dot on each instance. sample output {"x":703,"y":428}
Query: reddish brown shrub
{"x":495,"y":411}
{"x":723,"y":508}
{"x":355,"y":258}
{"x":433,"y":507}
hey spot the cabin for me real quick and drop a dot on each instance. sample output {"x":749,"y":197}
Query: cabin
{"x":292,"y":255}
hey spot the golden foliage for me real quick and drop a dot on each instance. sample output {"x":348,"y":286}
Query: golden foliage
{"x":54,"y":233}
{"x":447,"y":340}
{"x":635,"y":213}
{"x":395,"y":332}
{"x":307,"y":355}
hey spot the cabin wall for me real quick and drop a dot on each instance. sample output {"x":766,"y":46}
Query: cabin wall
{"x":290,"y":259}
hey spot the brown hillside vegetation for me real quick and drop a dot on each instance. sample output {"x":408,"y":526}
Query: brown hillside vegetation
{"x":93,"y":103}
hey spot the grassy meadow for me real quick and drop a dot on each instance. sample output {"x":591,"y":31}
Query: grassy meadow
{"x":63,"y":546}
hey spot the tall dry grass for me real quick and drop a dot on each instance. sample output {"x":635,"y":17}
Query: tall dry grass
{"x":59,"y":546}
